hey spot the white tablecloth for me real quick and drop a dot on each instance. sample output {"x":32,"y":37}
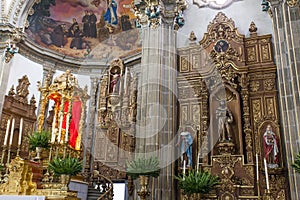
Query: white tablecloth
{"x":21,"y":197}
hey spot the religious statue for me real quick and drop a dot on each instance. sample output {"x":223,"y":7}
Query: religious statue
{"x":114,"y":82}
{"x":185,"y":141}
{"x":225,"y":118}
{"x":271,"y":147}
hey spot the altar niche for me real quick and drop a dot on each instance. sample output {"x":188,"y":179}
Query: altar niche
{"x":227,"y":88}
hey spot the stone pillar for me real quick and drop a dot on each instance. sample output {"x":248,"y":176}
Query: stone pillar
{"x":157,"y":89}
{"x":92,"y":117}
{"x":5,"y":65}
{"x":286,"y":20}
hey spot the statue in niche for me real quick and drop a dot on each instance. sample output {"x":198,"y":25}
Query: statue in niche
{"x":185,"y":141}
{"x":115,"y":81}
{"x":271,"y":150}
{"x":225,"y":118}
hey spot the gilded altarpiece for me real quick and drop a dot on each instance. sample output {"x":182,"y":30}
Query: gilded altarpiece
{"x":229,"y":73}
{"x":116,"y":120}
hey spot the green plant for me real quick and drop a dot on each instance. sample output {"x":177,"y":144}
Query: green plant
{"x":197,"y":182}
{"x":143,"y":166}
{"x":68,"y":166}
{"x":296,"y":164}
{"x":39,"y":139}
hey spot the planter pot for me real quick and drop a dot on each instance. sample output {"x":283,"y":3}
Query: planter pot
{"x":65,"y":180}
{"x":38,"y":150}
{"x":196,"y":196}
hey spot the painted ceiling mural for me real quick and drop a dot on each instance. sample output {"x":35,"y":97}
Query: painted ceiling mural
{"x":98,"y":29}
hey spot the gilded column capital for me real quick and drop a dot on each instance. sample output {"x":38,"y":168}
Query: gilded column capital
{"x":292,"y":3}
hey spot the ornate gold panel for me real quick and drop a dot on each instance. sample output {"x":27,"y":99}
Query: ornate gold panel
{"x":184,"y":64}
{"x":269,"y":84}
{"x":184,"y":114}
{"x":251,"y":54}
{"x":265,"y":52}
{"x":256,"y":109}
{"x":270,"y":107}
{"x":196,"y":63}
{"x":195,"y":112}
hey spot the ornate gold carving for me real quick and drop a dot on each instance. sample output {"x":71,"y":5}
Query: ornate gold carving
{"x":270,"y":106}
{"x":19,"y":181}
{"x":265,"y":52}
{"x":251,"y":54}
{"x":196,"y":114}
{"x":252,"y":29}
{"x":254,"y":86}
{"x":221,"y":28}
{"x":192,"y":37}
{"x":269,"y":84}
{"x":184,"y":66}
{"x":184,"y":114}
{"x":196,"y":61}
{"x":256,"y":106}
{"x":22,"y":90}
{"x":292,"y":3}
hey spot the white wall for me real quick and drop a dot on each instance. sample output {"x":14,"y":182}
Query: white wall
{"x":242,"y":12}
{"x":21,"y":66}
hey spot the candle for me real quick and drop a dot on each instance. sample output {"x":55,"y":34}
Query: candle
{"x":6,"y":133}
{"x":60,"y":127}
{"x":184,"y":167}
{"x":126,"y":74}
{"x":67,"y":127}
{"x":257,"y":173}
{"x":53,"y":128}
{"x":12,"y":131}
{"x":20,"y":132}
{"x":198,"y":162}
{"x":266,"y":172}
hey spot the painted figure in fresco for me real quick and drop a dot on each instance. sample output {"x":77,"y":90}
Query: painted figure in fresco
{"x":185,"y":141}
{"x":126,"y":25}
{"x":225,"y":118}
{"x":86,"y":24}
{"x":71,"y":29}
{"x":58,"y":35}
{"x":271,"y":147}
{"x":110,"y":15}
{"x":76,"y":42}
{"x":92,"y":24}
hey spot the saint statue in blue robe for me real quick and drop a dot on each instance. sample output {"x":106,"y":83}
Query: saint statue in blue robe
{"x":186,"y":146}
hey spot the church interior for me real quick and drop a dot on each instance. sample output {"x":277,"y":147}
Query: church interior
{"x":150,"y":99}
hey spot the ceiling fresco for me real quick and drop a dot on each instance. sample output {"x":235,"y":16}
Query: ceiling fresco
{"x":86,"y":29}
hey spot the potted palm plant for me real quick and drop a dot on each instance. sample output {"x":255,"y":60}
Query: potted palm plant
{"x":143,"y":168}
{"x":39,"y":140}
{"x":65,"y":168}
{"x":296,"y":164}
{"x":196,"y":183}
